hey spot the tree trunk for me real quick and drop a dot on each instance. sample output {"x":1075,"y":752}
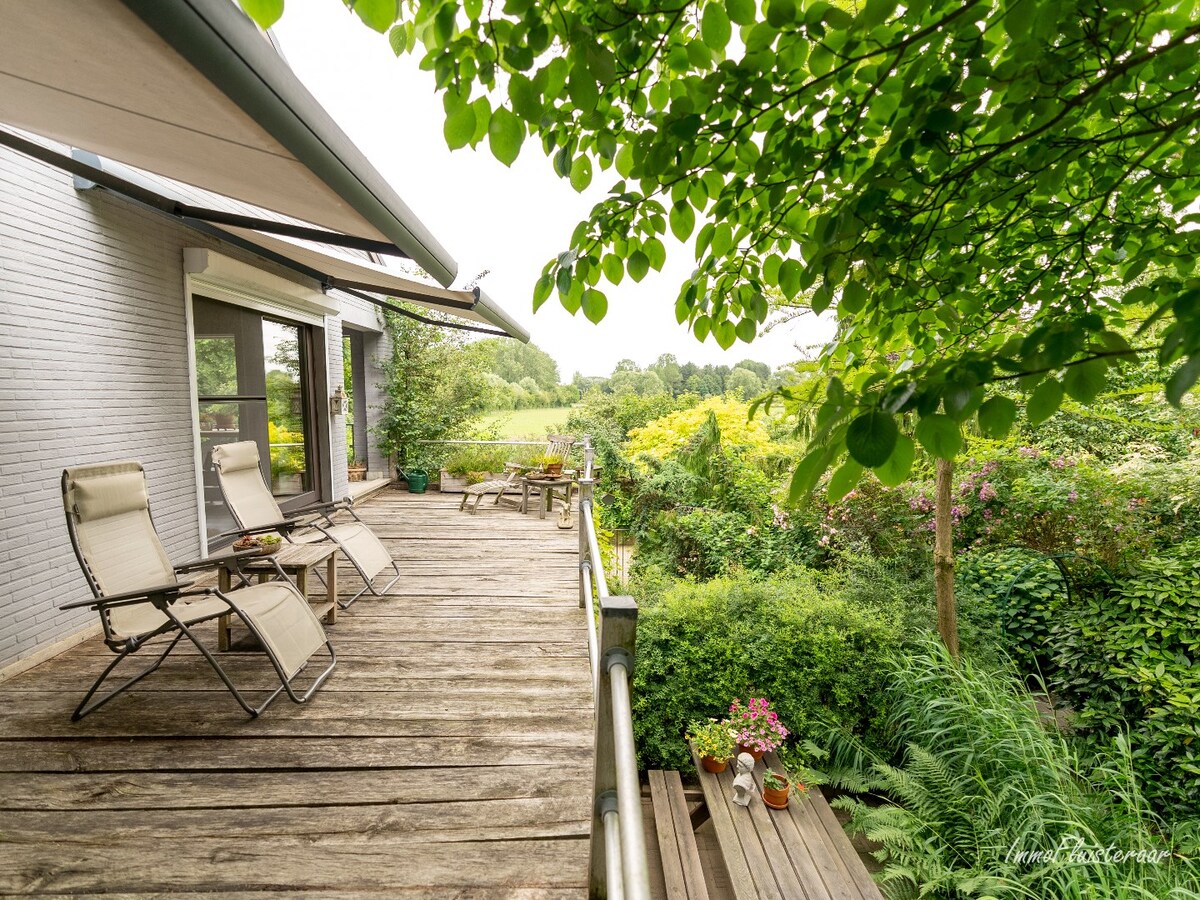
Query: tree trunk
{"x":943,"y":558}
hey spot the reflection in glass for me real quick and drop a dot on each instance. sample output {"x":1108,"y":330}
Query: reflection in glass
{"x":220,"y":423}
{"x":285,"y":409}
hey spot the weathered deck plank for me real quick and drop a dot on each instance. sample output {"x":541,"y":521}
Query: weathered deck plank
{"x":449,"y":754}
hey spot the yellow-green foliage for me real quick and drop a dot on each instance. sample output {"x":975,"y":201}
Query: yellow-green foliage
{"x":672,"y":432}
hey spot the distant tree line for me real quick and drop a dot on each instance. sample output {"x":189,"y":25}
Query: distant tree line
{"x":666,"y":375}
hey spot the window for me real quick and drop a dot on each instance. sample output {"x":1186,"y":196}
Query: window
{"x":254,"y":381}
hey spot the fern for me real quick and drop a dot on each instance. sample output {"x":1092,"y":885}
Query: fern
{"x":976,"y":778}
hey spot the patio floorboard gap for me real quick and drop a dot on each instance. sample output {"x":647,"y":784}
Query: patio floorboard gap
{"x":450,"y":754}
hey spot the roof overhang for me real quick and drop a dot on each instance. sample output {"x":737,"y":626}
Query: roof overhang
{"x":193,"y":91}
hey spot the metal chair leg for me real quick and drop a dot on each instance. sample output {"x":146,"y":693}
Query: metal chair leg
{"x":83,"y":708}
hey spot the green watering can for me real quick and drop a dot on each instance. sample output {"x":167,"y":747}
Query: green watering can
{"x":418,"y":479}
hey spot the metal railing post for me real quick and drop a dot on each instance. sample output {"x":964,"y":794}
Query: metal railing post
{"x":587,"y":487}
{"x":616,"y":771}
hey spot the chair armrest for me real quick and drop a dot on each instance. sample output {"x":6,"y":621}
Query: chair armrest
{"x":284,"y":525}
{"x":212,"y":562}
{"x":129,"y":598}
{"x":324,"y":505}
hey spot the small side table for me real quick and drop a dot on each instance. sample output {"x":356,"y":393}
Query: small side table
{"x":296,"y":560}
{"x":545,"y":488}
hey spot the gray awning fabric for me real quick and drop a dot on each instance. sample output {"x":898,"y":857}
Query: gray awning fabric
{"x":193,"y":91}
{"x":361,"y":276}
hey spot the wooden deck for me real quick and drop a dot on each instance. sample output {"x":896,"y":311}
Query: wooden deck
{"x":449,"y":755}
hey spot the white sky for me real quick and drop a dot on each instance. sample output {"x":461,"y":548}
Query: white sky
{"x":510,"y":221}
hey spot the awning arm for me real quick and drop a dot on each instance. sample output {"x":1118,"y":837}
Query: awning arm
{"x":383,"y":304}
{"x":81,"y":168}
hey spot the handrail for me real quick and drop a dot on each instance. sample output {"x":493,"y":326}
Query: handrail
{"x":619,"y":867}
{"x":470,"y":441}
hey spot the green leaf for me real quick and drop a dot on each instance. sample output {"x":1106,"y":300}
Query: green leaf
{"x":505,"y":134}
{"x":894,"y":472}
{"x":781,"y":12}
{"x":808,"y":472}
{"x":996,"y":417}
{"x":683,"y":220}
{"x":854,"y":297}
{"x":638,"y":265}
{"x":595,"y":305}
{"x":581,"y":173}
{"x":844,"y":480}
{"x":701,"y":327}
{"x":747,"y":329}
{"x":582,"y":87}
{"x":743,"y":12}
{"x":377,"y":14}
{"x":871,"y":438}
{"x":459,"y":127}
{"x":1085,"y":381}
{"x":613,"y":268}
{"x":524,"y":96}
{"x":939,"y":435}
{"x":542,"y":290}
{"x":624,"y":160}
{"x":563,"y":280}
{"x":264,"y":12}
{"x":789,"y":277}
{"x":1182,"y":379}
{"x":714,"y":27}
{"x":398,"y":38}
{"x":1044,"y":401}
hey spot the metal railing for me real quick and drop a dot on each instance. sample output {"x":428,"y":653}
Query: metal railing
{"x":618,"y":868}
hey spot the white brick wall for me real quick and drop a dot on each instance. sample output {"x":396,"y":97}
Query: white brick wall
{"x":93,"y":367}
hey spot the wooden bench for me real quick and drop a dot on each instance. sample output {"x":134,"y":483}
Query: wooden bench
{"x":800,"y":853}
{"x":676,"y":841}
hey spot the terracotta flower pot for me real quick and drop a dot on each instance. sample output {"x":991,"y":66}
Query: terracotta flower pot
{"x":776,"y":799}
{"x":714,"y":765}
{"x":554,"y":469}
{"x":757,"y":754}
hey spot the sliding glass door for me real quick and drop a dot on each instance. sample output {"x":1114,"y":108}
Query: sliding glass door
{"x":254,"y":383}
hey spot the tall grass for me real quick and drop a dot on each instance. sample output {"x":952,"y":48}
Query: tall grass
{"x":980,"y":789}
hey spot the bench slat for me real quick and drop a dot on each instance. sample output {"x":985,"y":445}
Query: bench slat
{"x":668,"y":843}
{"x":689,"y":853}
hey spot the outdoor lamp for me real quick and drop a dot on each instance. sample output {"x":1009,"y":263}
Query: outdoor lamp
{"x":337,"y":402}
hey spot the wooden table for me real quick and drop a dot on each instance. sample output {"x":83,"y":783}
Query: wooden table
{"x":800,"y":853}
{"x":296,"y":560}
{"x":546,"y":488}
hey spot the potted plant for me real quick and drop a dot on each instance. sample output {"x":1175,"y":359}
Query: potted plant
{"x":551,"y":464}
{"x":776,"y":786}
{"x":714,"y":743}
{"x":356,"y":470}
{"x":757,"y":726}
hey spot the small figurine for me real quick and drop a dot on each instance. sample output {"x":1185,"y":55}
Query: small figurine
{"x":744,"y":787}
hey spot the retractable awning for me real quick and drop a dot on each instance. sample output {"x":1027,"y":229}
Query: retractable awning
{"x":193,"y":91}
{"x":241,"y":225}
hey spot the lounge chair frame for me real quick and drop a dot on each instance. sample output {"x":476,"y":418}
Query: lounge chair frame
{"x":318,"y":516}
{"x":163,"y":597}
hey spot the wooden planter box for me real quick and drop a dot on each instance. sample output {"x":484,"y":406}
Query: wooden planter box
{"x":456,"y":484}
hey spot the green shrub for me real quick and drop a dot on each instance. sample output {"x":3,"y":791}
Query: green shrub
{"x":816,"y":656}
{"x":1130,"y":658}
{"x":979,"y":779}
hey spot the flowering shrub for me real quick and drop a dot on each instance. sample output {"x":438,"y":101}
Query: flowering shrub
{"x":757,"y":726}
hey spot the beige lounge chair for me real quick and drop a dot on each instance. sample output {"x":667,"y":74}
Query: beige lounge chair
{"x":255,"y":510}
{"x":559,"y":445}
{"x":139,"y":596}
